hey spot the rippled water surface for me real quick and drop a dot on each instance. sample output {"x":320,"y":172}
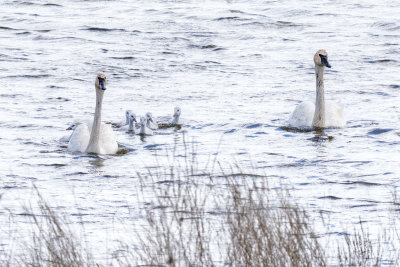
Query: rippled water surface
{"x":236,"y":68}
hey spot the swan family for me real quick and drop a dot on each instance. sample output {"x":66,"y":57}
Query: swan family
{"x":98,"y":138}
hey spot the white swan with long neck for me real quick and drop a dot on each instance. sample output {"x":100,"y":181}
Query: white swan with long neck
{"x":322,"y":114}
{"x":99,"y":138}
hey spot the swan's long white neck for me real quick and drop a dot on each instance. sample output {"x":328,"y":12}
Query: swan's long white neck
{"x":175,"y":119}
{"x":132,"y":126}
{"x":94,"y":146}
{"x":319,"y":114}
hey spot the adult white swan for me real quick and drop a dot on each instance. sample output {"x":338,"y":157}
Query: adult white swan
{"x":324,"y":114}
{"x":100,"y":137}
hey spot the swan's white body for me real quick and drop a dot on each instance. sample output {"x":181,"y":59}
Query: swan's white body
{"x":322,"y":114}
{"x":79,"y":140}
{"x":98,"y":138}
{"x":303,"y":115}
{"x":72,"y":127}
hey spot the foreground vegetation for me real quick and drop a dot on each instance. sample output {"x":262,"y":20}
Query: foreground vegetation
{"x":198,"y":218}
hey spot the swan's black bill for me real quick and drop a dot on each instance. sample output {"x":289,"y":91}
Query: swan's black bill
{"x":324,"y":61}
{"x":72,"y":127}
{"x":102,"y":83}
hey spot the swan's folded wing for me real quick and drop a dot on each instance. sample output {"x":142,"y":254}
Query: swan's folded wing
{"x":65,"y":138}
{"x":108,"y":141}
{"x":153,"y":125}
{"x":79,"y":139}
{"x":302,"y":115}
{"x":334,"y":115}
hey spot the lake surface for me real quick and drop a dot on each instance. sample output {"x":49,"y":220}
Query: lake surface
{"x":236,"y":68}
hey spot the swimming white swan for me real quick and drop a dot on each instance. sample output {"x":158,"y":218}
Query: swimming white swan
{"x":144,"y":129}
{"x":170,"y":122}
{"x":150,"y":121}
{"x":131,"y":127}
{"x":324,"y":114}
{"x":100,"y":137}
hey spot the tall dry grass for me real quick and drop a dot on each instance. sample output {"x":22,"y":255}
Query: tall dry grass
{"x":201,"y":217}
{"x":52,"y":241}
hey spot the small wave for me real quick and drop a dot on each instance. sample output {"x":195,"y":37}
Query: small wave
{"x":152,"y":147}
{"x":124,"y":58}
{"x":10,"y":95}
{"x":379,"y":131}
{"x":6,"y":28}
{"x":23,"y":33}
{"x":360,"y":183}
{"x":385,"y":25}
{"x":209,"y":46}
{"x":59,"y":98}
{"x":362,"y":206}
{"x":281,"y":24}
{"x":252,"y":126}
{"x":55,"y":87}
{"x":230,"y":131}
{"x":228,"y":18}
{"x":330,"y":197}
{"x":236,"y":11}
{"x":56,"y":165}
{"x":52,"y":4}
{"x":168,"y":53}
{"x":99,"y":29}
{"x":385,"y":60}
{"x":38,"y":76}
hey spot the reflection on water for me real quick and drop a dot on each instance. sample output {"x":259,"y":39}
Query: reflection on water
{"x":97,"y":162}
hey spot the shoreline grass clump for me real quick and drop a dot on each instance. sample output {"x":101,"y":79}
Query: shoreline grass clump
{"x":53,"y":242}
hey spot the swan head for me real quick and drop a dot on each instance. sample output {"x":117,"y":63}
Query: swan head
{"x":321,"y":58}
{"x":127,"y":113}
{"x":143,"y":121}
{"x":100,"y":82}
{"x":132,"y":117}
{"x":149,"y":116}
{"x":177,"y":111}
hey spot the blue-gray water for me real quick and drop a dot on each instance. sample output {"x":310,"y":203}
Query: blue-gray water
{"x":236,"y":68}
